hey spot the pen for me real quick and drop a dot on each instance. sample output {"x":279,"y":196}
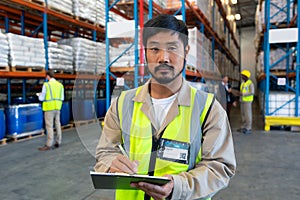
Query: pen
{"x":123,"y":150}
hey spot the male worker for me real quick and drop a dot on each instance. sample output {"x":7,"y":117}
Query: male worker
{"x":247,"y":94}
{"x":52,"y":96}
{"x":230,"y":98}
{"x":167,"y":127}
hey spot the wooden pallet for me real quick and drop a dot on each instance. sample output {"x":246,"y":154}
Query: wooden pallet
{"x":41,"y":3}
{"x":61,"y":71}
{"x":67,"y":127}
{"x":3,"y":142}
{"x":26,"y":136}
{"x":4,"y":69}
{"x":85,"y":122}
{"x":85,"y":20}
{"x":83,"y":72}
{"x":28,"y":69}
{"x":100,"y":119}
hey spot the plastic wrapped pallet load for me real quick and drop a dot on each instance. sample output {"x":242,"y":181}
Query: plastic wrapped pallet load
{"x":26,"y":51}
{"x":84,"y":9}
{"x":4,"y":49}
{"x":65,"y":6}
{"x":101,"y":53}
{"x":85,"y":54}
{"x":60,"y":57}
{"x":126,"y":60}
{"x":100,"y":12}
{"x":92,"y":10}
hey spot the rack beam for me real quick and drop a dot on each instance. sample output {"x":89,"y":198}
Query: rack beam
{"x":19,"y":4}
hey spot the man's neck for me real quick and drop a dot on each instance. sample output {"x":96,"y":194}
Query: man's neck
{"x":160,"y":91}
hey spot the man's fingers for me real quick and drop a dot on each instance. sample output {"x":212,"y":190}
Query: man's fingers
{"x":123,"y":164}
{"x":155,"y":191}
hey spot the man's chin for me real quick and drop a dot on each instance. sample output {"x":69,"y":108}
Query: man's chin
{"x":163,"y":80}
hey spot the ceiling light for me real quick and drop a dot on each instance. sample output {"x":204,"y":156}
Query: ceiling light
{"x":234,"y":1}
{"x":230,"y":17}
{"x":237,"y":16}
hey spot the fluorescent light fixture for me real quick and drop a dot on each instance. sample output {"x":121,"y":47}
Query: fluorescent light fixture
{"x":237,"y":16}
{"x":234,"y":1}
{"x":230,"y":17}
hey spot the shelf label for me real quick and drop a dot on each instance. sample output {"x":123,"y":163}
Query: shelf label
{"x":281,"y":81}
{"x":120,"y":82}
{"x":283,"y":35}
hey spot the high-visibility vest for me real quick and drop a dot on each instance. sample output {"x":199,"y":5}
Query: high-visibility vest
{"x":53,"y":98}
{"x":245,"y":88}
{"x":186,"y":128}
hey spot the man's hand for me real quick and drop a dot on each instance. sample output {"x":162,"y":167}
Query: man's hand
{"x":155,"y":191}
{"x":234,"y":103}
{"x":122,"y":164}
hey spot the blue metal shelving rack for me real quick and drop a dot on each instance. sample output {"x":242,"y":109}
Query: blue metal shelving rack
{"x":271,"y":120}
{"x":42,"y":27}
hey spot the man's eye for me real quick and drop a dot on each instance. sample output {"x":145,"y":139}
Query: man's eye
{"x":172,"y":48}
{"x":154,"y":49}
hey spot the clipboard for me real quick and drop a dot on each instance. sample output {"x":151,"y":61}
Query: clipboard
{"x":122,"y":181}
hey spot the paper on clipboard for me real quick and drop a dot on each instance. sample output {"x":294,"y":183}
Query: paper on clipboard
{"x":122,"y":181}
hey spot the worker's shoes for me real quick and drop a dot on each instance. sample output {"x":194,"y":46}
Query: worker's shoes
{"x":246,"y":132}
{"x":44,"y":148}
{"x":56,"y":145}
{"x":241,"y":130}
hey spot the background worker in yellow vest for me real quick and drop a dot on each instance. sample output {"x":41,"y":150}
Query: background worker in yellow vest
{"x":247,"y":95}
{"x":167,"y":127}
{"x":52,"y":96}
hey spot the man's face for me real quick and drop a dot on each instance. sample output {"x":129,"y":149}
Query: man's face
{"x":244,"y":78}
{"x":165,"y":55}
{"x":225,"y":79}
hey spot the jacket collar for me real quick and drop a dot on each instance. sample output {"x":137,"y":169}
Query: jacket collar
{"x":184,"y":97}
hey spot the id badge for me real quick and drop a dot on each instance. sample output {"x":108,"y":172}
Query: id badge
{"x":173,"y":151}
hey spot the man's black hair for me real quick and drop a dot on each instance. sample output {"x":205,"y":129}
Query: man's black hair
{"x":164,"y":23}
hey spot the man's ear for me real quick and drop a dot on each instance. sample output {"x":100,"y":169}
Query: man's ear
{"x":187,"y":49}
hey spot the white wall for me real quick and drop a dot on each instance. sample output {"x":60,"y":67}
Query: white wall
{"x":248,"y":51}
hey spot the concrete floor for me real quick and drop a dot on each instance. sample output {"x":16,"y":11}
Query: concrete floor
{"x":268,"y":166}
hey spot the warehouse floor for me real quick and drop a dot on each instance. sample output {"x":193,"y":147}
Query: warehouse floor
{"x":268,"y":166}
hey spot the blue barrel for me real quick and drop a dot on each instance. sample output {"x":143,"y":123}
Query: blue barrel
{"x":24,"y":118}
{"x":17,"y":100}
{"x":15,"y":119}
{"x":34,"y":117}
{"x":83,"y":109}
{"x":2,"y":124}
{"x":32,"y":99}
{"x":65,"y":113}
{"x":101,"y":107}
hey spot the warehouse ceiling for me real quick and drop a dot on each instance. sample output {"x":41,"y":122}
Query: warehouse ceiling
{"x":247,"y":9}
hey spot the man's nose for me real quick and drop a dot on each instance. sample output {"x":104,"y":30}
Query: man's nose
{"x":164,"y":56}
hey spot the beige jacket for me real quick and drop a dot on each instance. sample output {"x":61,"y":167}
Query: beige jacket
{"x":209,"y":176}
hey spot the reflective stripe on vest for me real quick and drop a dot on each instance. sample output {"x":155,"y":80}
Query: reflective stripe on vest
{"x":245,"y":88}
{"x":53,"y":98}
{"x":137,"y":135}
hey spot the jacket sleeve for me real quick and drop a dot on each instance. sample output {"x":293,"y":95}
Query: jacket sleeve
{"x":42,"y":96}
{"x":107,"y":150}
{"x":218,"y":162}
